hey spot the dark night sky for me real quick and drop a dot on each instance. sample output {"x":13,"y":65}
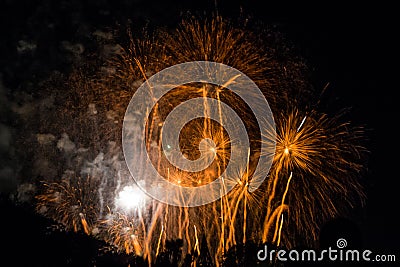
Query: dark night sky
{"x":351,"y":47}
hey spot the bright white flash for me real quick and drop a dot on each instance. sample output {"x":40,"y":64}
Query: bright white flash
{"x":130,"y":197}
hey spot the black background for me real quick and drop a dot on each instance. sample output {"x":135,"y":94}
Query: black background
{"x":351,"y":47}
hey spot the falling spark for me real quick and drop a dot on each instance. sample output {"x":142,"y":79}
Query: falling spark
{"x":159,"y":240}
{"x":196,"y":245}
{"x":301,"y":124}
{"x":280,"y":231}
{"x":281,"y":210}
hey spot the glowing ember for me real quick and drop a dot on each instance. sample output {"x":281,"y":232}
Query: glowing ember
{"x":130,"y":198}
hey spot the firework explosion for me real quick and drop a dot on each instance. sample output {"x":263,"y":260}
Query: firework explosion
{"x":314,"y":174}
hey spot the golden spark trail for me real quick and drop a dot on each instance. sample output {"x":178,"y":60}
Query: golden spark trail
{"x":281,"y":208}
{"x":245,"y":196}
{"x":159,"y":240}
{"x":280,"y":232}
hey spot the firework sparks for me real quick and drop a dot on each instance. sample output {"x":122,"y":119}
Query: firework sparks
{"x":322,"y":153}
{"x":316,"y":159}
{"x":73,"y":203}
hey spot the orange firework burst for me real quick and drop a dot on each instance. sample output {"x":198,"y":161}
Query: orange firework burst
{"x":72,"y":202}
{"x":123,"y":233}
{"x":314,"y":175}
{"x":321,"y":157}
